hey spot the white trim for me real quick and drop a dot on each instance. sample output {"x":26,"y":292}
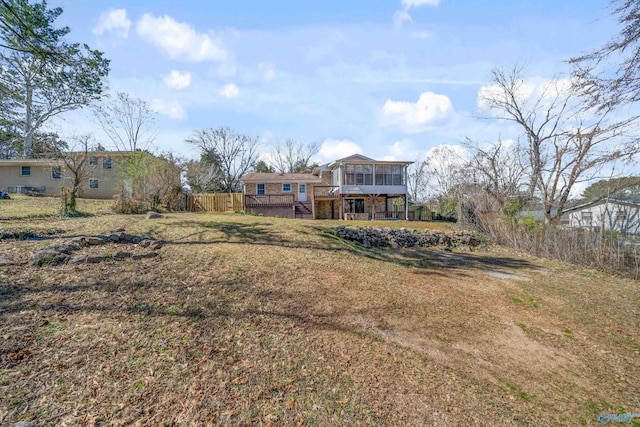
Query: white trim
{"x":258,"y":191}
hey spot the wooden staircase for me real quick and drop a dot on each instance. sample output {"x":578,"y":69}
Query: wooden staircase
{"x":303,"y":210}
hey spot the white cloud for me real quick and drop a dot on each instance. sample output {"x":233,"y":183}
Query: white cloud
{"x":230,"y":90}
{"x":402,"y":16}
{"x":401,"y":150}
{"x":113,"y":21}
{"x":268,"y":71}
{"x":171,"y":109}
{"x":407,"y":4}
{"x":526,"y":91}
{"x":179,"y":40}
{"x":178,"y":80}
{"x":431,"y":109}
{"x":333,"y":149}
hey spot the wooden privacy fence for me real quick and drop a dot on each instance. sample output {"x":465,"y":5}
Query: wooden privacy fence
{"x":219,"y":202}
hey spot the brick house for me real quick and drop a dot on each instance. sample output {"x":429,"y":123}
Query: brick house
{"x":355,"y":187}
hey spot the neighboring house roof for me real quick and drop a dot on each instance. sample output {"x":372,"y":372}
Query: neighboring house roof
{"x":624,"y":202}
{"x":358,"y":158}
{"x":279,"y":177}
{"x":54,"y":161}
{"x":29,"y":162}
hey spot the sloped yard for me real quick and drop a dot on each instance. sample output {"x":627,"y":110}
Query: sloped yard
{"x":247,"y":320}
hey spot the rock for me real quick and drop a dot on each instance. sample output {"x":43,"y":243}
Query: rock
{"x":122,"y":255}
{"x":25,"y":424}
{"x":117,"y":230}
{"x":94,"y":259}
{"x":4,"y":260}
{"x":154,"y":215}
{"x":114,"y":238}
{"x":95,"y":240}
{"x":126,"y":238}
{"x":145,"y":243}
{"x":143,"y":256}
{"x":67,"y":248}
{"x":48,"y":257}
{"x":80,"y":240}
{"x":155,"y":245}
{"x":78,"y":259}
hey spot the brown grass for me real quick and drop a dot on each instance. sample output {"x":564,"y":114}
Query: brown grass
{"x":24,"y":207}
{"x":246,"y":320}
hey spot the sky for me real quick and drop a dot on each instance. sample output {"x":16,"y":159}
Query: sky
{"x":388,"y":79}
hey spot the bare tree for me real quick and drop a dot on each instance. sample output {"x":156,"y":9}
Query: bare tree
{"x":164,"y":184}
{"x":563,"y":143}
{"x":418,"y":181}
{"x":232,"y":153}
{"x":130,"y":125}
{"x":294,"y":156}
{"x":75,"y":167}
{"x":605,"y":83}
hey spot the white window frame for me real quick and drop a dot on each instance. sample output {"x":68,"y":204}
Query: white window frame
{"x":264,"y":189}
{"x":290,"y":187}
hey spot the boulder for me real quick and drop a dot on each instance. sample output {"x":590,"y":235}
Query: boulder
{"x":144,"y":243}
{"x":77,"y":259}
{"x":114,"y":238}
{"x":95,"y":240}
{"x":48,"y":257}
{"x":121,"y":255}
{"x":94,"y":259}
{"x":80,"y":240}
{"x":155,"y":245}
{"x":154,"y":215}
{"x":25,"y":424}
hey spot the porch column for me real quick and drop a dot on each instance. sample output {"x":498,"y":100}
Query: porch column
{"x":406,"y":208}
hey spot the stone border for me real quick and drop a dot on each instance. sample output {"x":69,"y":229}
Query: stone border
{"x":64,"y":253}
{"x":380,"y":237}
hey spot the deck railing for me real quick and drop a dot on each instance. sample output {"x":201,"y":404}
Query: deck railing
{"x":269,"y":200}
{"x":326,"y":191}
{"x":391,"y":215}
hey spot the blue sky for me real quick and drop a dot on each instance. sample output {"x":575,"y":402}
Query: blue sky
{"x":389,"y":79}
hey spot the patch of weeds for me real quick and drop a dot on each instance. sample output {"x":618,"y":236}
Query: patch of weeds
{"x":52,"y":327}
{"x":635,"y":345}
{"x":173,"y":310}
{"x":517,"y":300}
{"x":522,"y":326}
{"x":582,"y":421}
{"x":589,"y":275}
{"x":238,"y":270}
{"x":567,"y":333}
{"x":4,"y":381}
{"x":140,"y":385}
{"x":521,"y":394}
{"x":532,"y":302}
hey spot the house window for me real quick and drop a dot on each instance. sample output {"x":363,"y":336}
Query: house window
{"x":25,"y":170}
{"x":106,"y":163}
{"x":261,"y":189}
{"x":358,"y":175}
{"x":286,"y":188}
{"x":355,"y":205}
{"x":93,"y":183}
{"x":56,"y":172}
{"x":587,"y":217}
{"x":389,"y":175}
{"x":93,"y":161}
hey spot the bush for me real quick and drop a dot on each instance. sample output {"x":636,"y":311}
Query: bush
{"x":128,"y":205}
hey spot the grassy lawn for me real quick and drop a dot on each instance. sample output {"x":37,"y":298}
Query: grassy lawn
{"x":247,"y":320}
{"x":23,"y":207}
